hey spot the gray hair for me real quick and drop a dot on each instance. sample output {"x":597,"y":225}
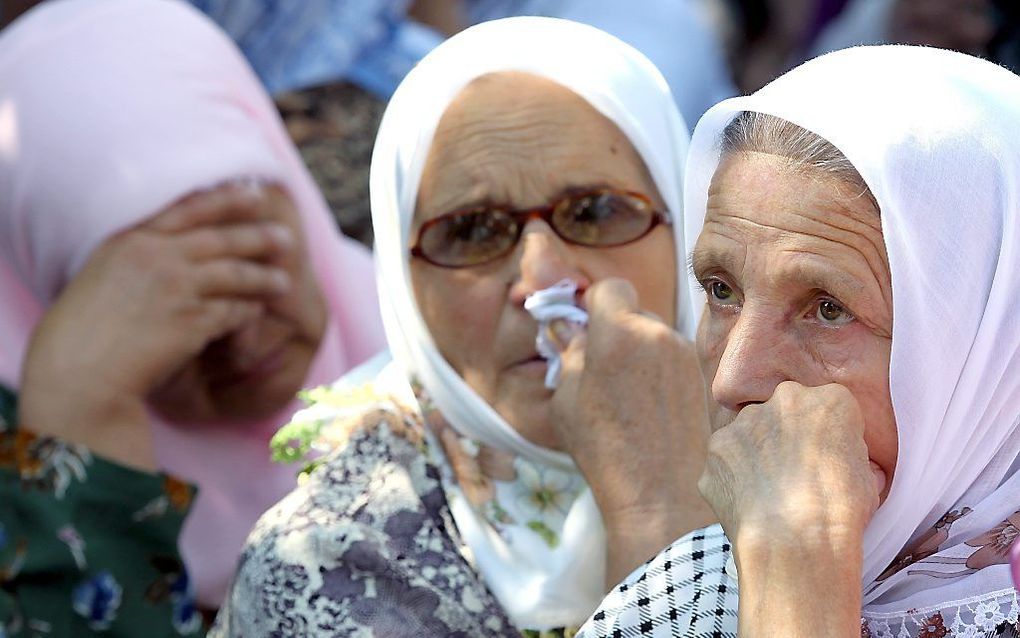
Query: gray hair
{"x":752,"y":132}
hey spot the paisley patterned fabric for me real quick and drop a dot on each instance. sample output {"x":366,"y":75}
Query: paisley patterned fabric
{"x":366,"y":545}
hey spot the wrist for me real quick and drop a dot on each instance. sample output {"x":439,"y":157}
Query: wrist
{"x":638,"y":533}
{"x":785,"y":580}
{"x":113,"y":427}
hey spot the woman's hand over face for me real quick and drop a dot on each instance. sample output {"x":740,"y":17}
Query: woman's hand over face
{"x":791,"y":483}
{"x":630,"y":410}
{"x":148,"y":300}
{"x":796,"y":464}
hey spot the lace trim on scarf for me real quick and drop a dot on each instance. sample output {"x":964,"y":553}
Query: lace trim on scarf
{"x":990,"y":614}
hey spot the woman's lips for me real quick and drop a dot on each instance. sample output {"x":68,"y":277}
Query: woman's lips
{"x":534,"y":362}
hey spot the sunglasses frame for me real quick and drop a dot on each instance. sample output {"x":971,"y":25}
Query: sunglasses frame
{"x":545,"y":212}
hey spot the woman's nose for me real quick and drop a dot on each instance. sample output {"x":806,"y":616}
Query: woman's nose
{"x":755,"y":358}
{"x":543,"y":260}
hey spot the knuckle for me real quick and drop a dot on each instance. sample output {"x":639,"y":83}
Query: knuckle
{"x":613,"y":343}
{"x":242,"y":274}
{"x":208,"y":242}
{"x":706,"y":484}
{"x":836,"y":392}
{"x":785,"y":389}
{"x":721,"y":441}
{"x":661,"y":337}
{"x":133,"y":247}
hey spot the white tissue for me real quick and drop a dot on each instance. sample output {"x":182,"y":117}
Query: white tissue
{"x":555,"y":303}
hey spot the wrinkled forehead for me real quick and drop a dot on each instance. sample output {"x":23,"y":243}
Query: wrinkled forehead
{"x":774,"y":225}
{"x":516,"y":138}
{"x":506,"y":94}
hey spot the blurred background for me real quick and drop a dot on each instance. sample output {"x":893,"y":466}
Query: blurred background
{"x":332,"y":64}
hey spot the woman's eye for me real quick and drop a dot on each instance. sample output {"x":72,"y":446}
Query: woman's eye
{"x":470,"y":228}
{"x":831,"y":313}
{"x":720,"y":292}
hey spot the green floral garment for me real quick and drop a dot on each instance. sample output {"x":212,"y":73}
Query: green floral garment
{"x":87,"y":547}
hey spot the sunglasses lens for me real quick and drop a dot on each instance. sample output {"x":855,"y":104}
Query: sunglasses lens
{"x":603,"y":218}
{"x":469,"y":238}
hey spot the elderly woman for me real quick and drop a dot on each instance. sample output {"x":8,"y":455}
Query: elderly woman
{"x":443,"y":504}
{"x":859,"y":258}
{"x":170,"y":278}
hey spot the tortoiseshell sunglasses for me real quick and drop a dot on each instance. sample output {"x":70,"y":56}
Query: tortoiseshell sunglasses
{"x":599,"y":218}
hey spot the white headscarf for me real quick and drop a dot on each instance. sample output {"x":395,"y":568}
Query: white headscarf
{"x":936,"y":136}
{"x":538,"y":586}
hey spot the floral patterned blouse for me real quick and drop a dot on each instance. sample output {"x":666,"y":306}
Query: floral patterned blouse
{"x":87,"y":547}
{"x":366,"y":545}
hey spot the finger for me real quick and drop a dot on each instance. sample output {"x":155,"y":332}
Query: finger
{"x":650,"y":315}
{"x":248,"y":240}
{"x":229,"y":203}
{"x":237,"y":277}
{"x":609,"y":298}
{"x":565,"y":396}
{"x":220,"y":317}
{"x":879,"y":479}
{"x":572,"y":358}
{"x":561,"y":332}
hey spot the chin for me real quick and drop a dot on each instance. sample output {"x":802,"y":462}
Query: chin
{"x":530,"y":417}
{"x":256,"y":400}
{"x":248,"y":399}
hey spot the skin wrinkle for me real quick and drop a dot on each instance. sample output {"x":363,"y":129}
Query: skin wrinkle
{"x":835,"y":283}
{"x":486,"y":148}
{"x":847,"y":227}
{"x":521,"y":141}
{"x":780,"y":240}
{"x":846,"y":203}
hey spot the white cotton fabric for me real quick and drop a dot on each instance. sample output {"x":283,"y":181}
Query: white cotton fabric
{"x":557,"y":303}
{"x":936,"y":136}
{"x":537,"y":585}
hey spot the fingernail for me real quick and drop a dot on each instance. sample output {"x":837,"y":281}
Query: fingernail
{"x":561,"y":332}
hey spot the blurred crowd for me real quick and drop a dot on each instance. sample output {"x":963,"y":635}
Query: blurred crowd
{"x":333,"y":64}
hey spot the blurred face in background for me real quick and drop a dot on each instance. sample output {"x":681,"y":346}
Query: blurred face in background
{"x":258,"y":369}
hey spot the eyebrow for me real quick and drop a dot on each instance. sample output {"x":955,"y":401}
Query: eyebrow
{"x":801,"y":270}
{"x":488,"y":200}
{"x":834,"y":281}
{"x":703,"y":260}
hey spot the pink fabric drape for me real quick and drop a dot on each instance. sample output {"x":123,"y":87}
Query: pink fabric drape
{"x":109,"y":111}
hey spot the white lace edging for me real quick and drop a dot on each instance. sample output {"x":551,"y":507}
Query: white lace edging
{"x":970,"y":618}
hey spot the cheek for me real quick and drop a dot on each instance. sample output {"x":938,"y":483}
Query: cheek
{"x":713,"y":331}
{"x":461,"y":310}
{"x":709,"y":347}
{"x":864,"y":370}
{"x":650,"y":266}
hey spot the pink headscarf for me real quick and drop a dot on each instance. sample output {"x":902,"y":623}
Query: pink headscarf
{"x":110,"y":110}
